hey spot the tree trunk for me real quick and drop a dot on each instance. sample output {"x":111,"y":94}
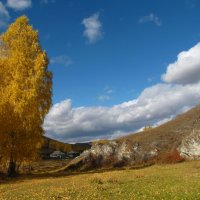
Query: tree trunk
{"x":12,"y":164}
{"x":12,"y":169}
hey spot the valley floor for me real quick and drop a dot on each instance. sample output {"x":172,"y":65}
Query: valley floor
{"x":178,"y":181}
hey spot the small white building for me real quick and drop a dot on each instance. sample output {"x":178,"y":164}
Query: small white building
{"x":72,"y":154}
{"x":57,"y":154}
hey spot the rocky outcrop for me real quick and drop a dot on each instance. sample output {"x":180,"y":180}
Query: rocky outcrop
{"x":128,"y":153}
{"x":190,"y":146}
{"x":112,"y":154}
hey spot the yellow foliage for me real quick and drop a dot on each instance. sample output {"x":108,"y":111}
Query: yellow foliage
{"x":25,"y":91}
{"x":56,"y":145}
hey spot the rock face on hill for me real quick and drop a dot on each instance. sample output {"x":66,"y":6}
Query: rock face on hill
{"x":113,"y":154}
{"x":117,"y":154}
{"x":190,"y":146}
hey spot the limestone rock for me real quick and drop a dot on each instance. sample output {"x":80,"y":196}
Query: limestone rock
{"x":190,"y":146}
{"x":113,"y":154}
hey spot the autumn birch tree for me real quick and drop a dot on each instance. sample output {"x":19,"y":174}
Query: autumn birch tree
{"x":25,"y":93}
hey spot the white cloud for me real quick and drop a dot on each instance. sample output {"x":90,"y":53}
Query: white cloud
{"x":186,"y":69}
{"x":19,"y":4}
{"x":61,"y":60}
{"x":4,"y":16}
{"x":104,"y":97}
{"x":108,"y":90}
{"x":154,"y":106}
{"x":151,"y":18}
{"x":93,"y":28}
{"x":107,"y":94}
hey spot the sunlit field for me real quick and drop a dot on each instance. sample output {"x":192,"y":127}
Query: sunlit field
{"x":178,"y":181}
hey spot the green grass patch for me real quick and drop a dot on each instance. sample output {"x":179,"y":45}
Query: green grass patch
{"x":177,"y":181}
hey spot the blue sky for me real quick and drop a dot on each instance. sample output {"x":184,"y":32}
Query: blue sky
{"x":105,"y":53}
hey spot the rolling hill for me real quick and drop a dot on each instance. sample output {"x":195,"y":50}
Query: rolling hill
{"x":173,"y":141}
{"x":169,"y":135}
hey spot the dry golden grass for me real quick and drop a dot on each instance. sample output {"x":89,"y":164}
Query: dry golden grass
{"x":169,"y":135}
{"x":100,"y":142}
{"x":178,"y":181}
{"x":44,"y":166}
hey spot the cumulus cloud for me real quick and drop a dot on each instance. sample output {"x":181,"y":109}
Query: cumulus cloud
{"x":4,"y":16}
{"x":19,"y":4}
{"x":186,"y":69}
{"x":93,"y":28}
{"x":61,"y":60}
{"x":151,"y":18}
{"x":155,"y":105}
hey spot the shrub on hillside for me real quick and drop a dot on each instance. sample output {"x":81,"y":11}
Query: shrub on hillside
{"x":171,"y":157}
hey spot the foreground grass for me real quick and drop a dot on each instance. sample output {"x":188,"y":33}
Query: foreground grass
{"x":179,"y":181}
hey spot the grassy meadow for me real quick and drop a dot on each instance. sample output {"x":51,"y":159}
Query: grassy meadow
{"x":177,"y":181}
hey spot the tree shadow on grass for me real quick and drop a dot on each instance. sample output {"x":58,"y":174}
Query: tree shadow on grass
{"x":23,"y":177}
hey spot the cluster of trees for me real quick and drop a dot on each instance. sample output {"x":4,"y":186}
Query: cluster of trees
{"x":25,"y":94}
{"x":56,"y":145}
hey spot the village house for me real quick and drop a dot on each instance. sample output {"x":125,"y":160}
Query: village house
{"x":57,"y":154}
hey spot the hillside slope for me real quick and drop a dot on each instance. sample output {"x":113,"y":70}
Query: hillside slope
{"x":150,"y":146}
{"x":169,"y":135}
